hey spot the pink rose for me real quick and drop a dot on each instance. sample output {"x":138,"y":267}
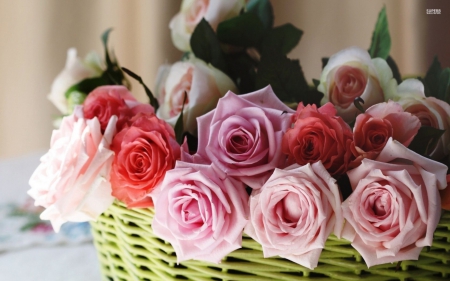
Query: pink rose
{"x":106,"y":101}
{"x":144,"y":152}
{"x":72,"y":181}
{"x":380,"y":122}
{"x":431,"y":112}
{"x":294,"y":212}
{"x":351,"y":73}
{"x":200,"y":211}
{"x":242,"y":136}
{"x":319,"y":135}
{"x":395,"y":205}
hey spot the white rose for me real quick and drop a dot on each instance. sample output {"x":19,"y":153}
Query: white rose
{"x":431,"y":112}
{"x":203,"y":83}
{"x":74,"y":71}
{"x":351,"y":73}
{"x":183,"y":24}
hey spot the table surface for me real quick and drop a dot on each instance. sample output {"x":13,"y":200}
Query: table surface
{"x":40,"y":263}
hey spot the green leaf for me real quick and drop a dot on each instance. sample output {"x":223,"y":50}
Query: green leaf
{"x":286,"y":78}
{"x":105,"y":37}
{"x":396,"y":73}
{"x":425,"y":140}
{"x":153,"y":100}
{"x":241,"y":68}
{"x":263,"y":9}
{"x":431,"y":79}
{"x":444,"y":85}
{"x":206,"y":46}
{"x":87,"y":85}
{"x":381,"y":39}
{"x":179,"y":128}
{"x":282,"y":38}
{"x":316,"y":82}
{"x":245,"y":30}
{"x":357,"y":102}
{"x":325,"y":62}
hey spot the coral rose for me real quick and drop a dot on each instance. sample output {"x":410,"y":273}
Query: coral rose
{"x":395,"y":205}
{"x":295,"y":211}
{"x":200,"y":211}
{"x":144,"y":151}
{"x":319,"y":135}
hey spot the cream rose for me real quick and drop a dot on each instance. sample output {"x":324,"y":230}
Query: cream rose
{"x":72,"y":181}
{"x":430,"y":111}
{"x":183,"y":24}
{"x":204,"y":86}
{"x":351,"y":73}
{"x":74,"y":71}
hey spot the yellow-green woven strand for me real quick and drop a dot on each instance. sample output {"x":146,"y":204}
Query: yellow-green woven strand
{"x":128,"y":250}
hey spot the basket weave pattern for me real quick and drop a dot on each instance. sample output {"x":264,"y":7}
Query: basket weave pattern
{"x":128,"y":250}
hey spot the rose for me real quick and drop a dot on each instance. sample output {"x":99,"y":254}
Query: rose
{"x":295,"y":211}
{"x":183,"y":24}
{"x":319,"y":135}
{"x":72,"y":181}
{"x":74,"y":72}
{"x":430,"y":111}
{"x":200,"y":211}
{"x":395,"y":205}
{"x":243,"y":134}
{"x":106,"y":101}
{"x":380,"y":122}
{"x":203,"y":84}
{"x":351,"y":73}
{"x":144,"y":151}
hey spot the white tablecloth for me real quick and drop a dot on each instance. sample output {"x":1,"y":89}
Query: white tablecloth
{"x":40,"y":263}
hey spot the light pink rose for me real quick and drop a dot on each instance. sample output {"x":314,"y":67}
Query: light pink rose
{"x":243,"y":135}
{"x":430,"y":111}
{"x":395,"y":205}
{"x":183,"y":24}
{"x":351,"y":73}
{"x":72,"y":181}
{"x":380,"y":122}
{"x":200,"y":211}
{"x":295,"y":211}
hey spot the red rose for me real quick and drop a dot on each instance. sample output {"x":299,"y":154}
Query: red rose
{"x":106,"y":101}
{"x":144,"y":151}
{"x":319,"y":135}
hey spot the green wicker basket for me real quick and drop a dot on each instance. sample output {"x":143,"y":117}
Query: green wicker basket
{"x":128,"y":250}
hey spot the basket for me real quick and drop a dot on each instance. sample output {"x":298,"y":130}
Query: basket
{"x":128,"y":250}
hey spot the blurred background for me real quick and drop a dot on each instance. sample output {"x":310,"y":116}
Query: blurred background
{"x":35,"y":36}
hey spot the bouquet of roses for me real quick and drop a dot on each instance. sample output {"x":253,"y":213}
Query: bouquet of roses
{"x":362,"y":154}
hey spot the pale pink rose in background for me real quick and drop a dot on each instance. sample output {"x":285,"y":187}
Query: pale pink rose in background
{"x":72,"y":181}
{"x":74,"y":72}
{"x":395,"y":205}
{"x":203,"y":84}
{"x":295,"y":211}
{"x":243,"y":135}
{"x":200,"y":211}
{"x":351,"y":73}
{"x":430,"y":111}
{"x":183,"y":24}
{"x":380,"y":122}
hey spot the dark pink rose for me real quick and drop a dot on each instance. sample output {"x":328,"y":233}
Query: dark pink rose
{"x":380,"y":122}
{"x":294,"y":212}
{"x":106,"y":101}
{"x":144,"y":151}
{"x":395,"y":205}
{"x":242,"y":136}
{"x":200,"y":211}
{"x":319,"y":135}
